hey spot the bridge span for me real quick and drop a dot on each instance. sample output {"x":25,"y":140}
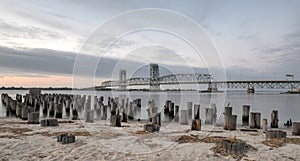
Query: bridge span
{"x":154,"y":82}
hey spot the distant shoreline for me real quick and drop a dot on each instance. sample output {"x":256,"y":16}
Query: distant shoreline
{"x":48,"y":88}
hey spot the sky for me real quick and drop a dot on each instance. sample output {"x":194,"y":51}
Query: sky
{"x":51,"y":43}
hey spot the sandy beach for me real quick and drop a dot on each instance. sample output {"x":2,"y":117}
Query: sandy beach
{"x":100,"y":141}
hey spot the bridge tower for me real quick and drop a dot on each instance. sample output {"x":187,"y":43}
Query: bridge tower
{"x":154,"y":77}
{"x":122,"y":79}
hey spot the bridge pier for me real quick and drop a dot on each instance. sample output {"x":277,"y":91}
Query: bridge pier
{"x":122,"y":79}
{"x":250,"y":90}
{"x":212,"y":87}
{"x":154,"y":77}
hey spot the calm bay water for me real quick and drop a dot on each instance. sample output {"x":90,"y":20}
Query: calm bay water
{"x":288,"y":105}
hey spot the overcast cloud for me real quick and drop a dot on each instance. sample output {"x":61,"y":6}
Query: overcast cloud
{"x":255,"y":39}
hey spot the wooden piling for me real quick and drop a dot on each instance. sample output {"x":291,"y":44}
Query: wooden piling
{"x":89,"y":118}
{"x":130,"y":111}
{"x":183,"y":119}
{"x":213,"y":106}
{"x":24,"y":113}
{"x":196,"y":111}
{"x":176,"y":118}
{"x":167,"y":110}
{"x":265,"y":124}
{"x":171,"y":111}
{"x":149,"y":128}
{"x":228,"y":111}
{"x":33,"y":118}
{"x":255,"y":120}
{"x":196,"y":125}
{"x":208,"y":115}
{"x":245,"y":116}
{"x":296,"y":128}
{"x":190,"y":110}
{"x":19,"y":110}
{"x":275,"y":134}
{"x":49,"y":122}
{"x":230,"y":122}
{"x":234,"y":147}
{"x":115,"y":120}
{"x":274,"y":119}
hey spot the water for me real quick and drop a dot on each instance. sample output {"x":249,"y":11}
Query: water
{"x":288,"y":105}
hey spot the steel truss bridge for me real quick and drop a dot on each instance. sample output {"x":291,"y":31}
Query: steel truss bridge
{"x":198,"y":78}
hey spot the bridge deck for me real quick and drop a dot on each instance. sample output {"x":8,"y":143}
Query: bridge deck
{"x":222,"y":84}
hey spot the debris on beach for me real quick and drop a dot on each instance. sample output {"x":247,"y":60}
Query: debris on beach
{"x":66,"y":139}
{"x":280,"y":142}
{"x":188,"y":139}
{"x":219,"y":148}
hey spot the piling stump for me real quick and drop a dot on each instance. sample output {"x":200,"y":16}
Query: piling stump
{"x":156,"y":127}
{"x":208,"y":116}
{"x":265,"y":124}
{"x":49,"y":122}
{"x":255,"y":120}
{"x":245,"y":116}
{"x":275,"y":134}
{"x":230,"y":122}
{"x":19,"y":110}
{"x":190,"y":110}
{"x":176,"y":118}
{"x":183,"y":117}
{"x":89,"y":116}
{"x":33,"y":118}
{"x":66,"y":139}
{"x":58,"y":110}
{"x":196,"y":125}
{"x":24,"y":113}
{"x":274,"y":119}
{"x":228,"y":111}
{"x":296,"y":128}
{"x":234,"y":147}
{"x":115,"y":120}
{"x":213,"y":106}
{"x":149,"y":128}
{"x":196,"y":111}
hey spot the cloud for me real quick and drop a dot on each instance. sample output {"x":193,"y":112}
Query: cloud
{"x":45,"y":62}
{"x":284,"y":57}
{"x":12,"y":31}
{"x":245,"y":36}
{"x":52,"y":62}
{"x":286,"y":52}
